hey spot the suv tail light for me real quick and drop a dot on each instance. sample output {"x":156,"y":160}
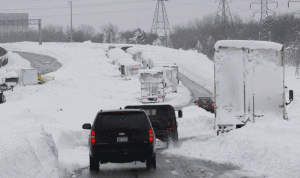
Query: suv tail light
{"x":198,"y":105}
{"x":151,"y":136}
{"x":212,"y":105}
{"x":173,"y":125}
{"x":93,"y":139}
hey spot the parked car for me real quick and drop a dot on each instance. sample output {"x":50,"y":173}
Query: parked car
{"x":120,"y":136}
{"x":163,"y":119}
{"x":206,"y":103}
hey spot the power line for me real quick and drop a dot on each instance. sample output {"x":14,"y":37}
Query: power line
{"x":94,"y":12}
{"x":64,"y":7}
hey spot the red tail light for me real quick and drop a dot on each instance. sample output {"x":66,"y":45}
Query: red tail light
{"x":212,"y":105}
{"x":198,"y":105}
{"x":173,"y":125}
{"x":151,"y":136}
{"x":204,"y":102}
{"x":220,"y":127}
{"x":93,"y":139}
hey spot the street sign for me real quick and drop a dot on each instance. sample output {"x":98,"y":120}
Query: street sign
{"x":14,"y":22}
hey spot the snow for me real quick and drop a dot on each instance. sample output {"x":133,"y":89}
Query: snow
{"x":41,"y":125}
{"x":248,"y":44}
{"x":41,"y":134}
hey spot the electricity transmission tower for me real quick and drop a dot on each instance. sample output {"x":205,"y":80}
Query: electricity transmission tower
{"x":160,"y":25}
{"x":264,"y":11}
{"x":298,"y":11}
{"x":265,"y":20}
{"x":224,"y":19}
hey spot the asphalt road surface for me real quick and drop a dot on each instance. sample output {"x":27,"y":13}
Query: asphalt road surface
{"x":168,"y":166}
{"x":44,"y":64}
{"x":196,"y":90}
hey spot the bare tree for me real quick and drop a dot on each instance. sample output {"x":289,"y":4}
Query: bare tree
{"x":110,"y":32}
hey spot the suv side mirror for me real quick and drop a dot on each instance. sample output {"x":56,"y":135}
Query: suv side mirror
{"x":180,"y":113}
{"x":291,"y":95}
{"x":86,"y":126}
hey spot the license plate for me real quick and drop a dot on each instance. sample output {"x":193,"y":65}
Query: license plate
{"x":204,"y":105}
{"x":122,"y":139}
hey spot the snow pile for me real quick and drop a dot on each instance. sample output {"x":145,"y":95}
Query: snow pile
{"x":26,"y":149}
{"x":265,"y":148}
{"x":196,"y":121}
{"x":114,"y":53}
{"x":134,"y":50}
{"x":86,"y":83}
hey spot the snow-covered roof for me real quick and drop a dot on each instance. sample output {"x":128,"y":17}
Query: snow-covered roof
{"x":129,"y":63}
{"x":11,"y":74}
{"x":251,"y":44}
{"x":134,"y":50}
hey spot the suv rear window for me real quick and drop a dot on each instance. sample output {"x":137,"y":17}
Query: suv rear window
{"x":155,"y":112}
{"x":202,"y":100}
{"x":122,"y":120}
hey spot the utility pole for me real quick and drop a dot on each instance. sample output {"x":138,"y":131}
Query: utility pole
{"x":70,"y":3}
{"x":160,"y":25}
{"x":298,"y":11}
{"x":224,"y":18}
{"x":265,"y":18}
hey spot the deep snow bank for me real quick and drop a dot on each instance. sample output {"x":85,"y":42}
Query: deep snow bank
{"x":86,"y":83}
{"x":268,"y":147}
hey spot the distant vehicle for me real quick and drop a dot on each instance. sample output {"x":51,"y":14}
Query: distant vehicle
{"x":124,"y":48}
{"x":249,"y":83}
{"x":120,"y":136}
{"x":163,"y":119}
{"x":4,"y":87}
{"x":205,"y":103}
{"x":20,"y":76}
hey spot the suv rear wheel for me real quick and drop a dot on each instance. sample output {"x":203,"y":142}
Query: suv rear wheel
{"x":151,"y":161}
{"x":94,"y":164}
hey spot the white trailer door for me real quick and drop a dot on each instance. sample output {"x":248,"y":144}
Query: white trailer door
{"x":229,"y":86}
{"x":269,"y":83}
{"x":30,"y":77}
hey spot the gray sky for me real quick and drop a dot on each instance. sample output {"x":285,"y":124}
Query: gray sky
{"x":129,"y":14}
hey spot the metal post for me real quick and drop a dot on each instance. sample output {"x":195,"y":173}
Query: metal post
{"x":70,"y":2}
{"x":40,"y":31}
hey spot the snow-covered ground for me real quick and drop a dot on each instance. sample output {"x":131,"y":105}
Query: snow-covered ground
{"x":41,"y":135}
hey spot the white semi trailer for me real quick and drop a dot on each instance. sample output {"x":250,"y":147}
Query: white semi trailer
{"x":152,"y":85}
{"x":249,"y":83}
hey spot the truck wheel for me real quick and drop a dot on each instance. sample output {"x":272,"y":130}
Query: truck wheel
{"x":2,"y":98}
{"x":94,"y":164}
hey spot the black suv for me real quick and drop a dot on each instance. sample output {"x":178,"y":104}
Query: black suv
{"x":205,"y":103}
{"x":163,"y":119}
{"x":120,"y":136}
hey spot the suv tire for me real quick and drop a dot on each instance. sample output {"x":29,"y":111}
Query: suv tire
{"x":151,"y":161}
{"x":94,"y":164}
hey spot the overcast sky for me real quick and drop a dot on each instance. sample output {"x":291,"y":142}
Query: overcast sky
{"x":130,"y":14}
